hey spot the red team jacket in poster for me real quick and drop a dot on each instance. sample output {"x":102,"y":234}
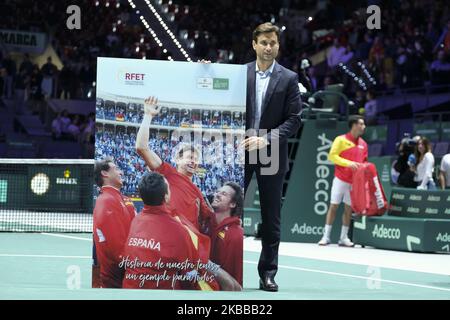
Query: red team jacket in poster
{"x":227,"y":246}
{"x":113,"y":214}
{"x":185,"y":197}
{"x":159,"y":235}
{"x":367,"y":194}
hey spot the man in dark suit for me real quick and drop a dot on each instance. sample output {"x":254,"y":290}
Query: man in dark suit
{"x":273,"y":108}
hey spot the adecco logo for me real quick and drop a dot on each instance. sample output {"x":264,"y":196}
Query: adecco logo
{"x":322,"y":185}
{"x":305,"y":229}
{"x":431,"y":211}
{"x":443,"y":237}
{"x":398,"y":196}
{"x":385,"y":233}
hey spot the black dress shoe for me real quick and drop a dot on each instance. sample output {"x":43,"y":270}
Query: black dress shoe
{"x":268,"y":284}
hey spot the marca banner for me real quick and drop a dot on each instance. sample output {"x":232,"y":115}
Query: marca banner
{"x":167,"y":137}
{"x":23,"y":41}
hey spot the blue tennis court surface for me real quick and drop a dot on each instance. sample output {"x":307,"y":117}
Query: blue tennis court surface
{"x":58,"y":266}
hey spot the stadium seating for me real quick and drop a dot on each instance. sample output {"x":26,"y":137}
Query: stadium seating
{"x":375,"y":150}
{"x":441,"y":148}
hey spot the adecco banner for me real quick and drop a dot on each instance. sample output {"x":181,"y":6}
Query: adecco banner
{"x":406,"y":234}
{"x":23,"y":41}
{"x":420,"y":203}
{"x":308,"y":195}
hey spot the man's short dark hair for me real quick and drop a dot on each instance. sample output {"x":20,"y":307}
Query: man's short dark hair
{"x":238,"y":199}
{"x":99,"y":166}
{"x":152,"y":189}
{"x":266,"y":28}
{"x":354,"y":120}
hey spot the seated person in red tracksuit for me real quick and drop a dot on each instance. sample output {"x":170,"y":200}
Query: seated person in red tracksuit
{"x":227,"y":234}
{"x":163,"y":249}
{"x":113,"y":214}
{"x":187,"y":199}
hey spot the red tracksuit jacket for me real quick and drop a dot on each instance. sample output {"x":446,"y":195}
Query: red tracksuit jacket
{"x":367,"y":194}
{"x":159,"y":235}
{"x":344,"y":150}
{"x":227,"y":246}
{"x":185,"y":198}
{"x":113,"y":214}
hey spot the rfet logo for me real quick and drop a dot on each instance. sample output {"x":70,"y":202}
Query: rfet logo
{"x":131,"y":78}
{"x":134,"y":76}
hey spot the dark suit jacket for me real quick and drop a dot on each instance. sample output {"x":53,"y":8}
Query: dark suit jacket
{"x":280,"y":109}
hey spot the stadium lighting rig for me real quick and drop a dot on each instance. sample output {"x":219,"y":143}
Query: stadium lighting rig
{"x":167,"y":29}
{"x":366,"y":73}
{"x":153,"y":33}
{"x":359,"y":80}
{"x":149,"y":29}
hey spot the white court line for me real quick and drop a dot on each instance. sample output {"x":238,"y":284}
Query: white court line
{"x":405,"y":261}
{"x":305,"y":269}
{"x":253,"y":262}
{"x":357,"y":277}
{"x":64,"y":236}
{"x":43,"y":256}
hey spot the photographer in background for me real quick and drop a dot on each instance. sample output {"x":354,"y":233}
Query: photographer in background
{"x":403,"y":166}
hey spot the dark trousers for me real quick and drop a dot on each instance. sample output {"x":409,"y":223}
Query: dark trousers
{"x":270,"y":191}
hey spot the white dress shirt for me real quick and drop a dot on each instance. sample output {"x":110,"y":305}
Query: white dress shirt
{"x":424,"y":173}
{"x":445,"y":168}
{"x":262,"y":81}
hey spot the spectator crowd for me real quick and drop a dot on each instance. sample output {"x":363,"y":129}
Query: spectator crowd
{"x":412,"y":47}
{"x":175,"y":117}
{"x":116,"y":34}
{"x":221,"y":161}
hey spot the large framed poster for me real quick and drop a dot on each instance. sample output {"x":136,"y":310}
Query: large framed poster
{"x":167,"y":144}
